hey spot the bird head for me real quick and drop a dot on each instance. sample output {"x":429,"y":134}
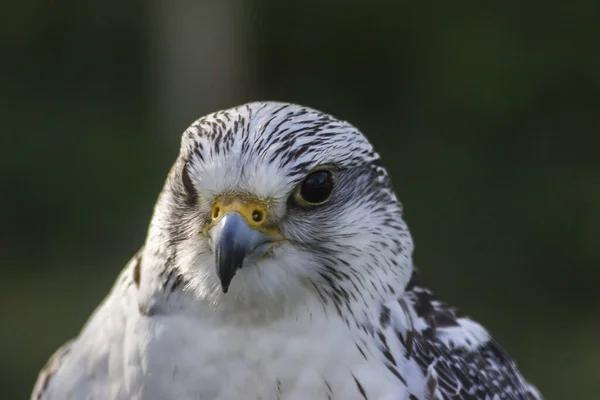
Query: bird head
{"x":268,"y":198}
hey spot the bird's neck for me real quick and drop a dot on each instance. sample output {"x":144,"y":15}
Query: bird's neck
{"x":165,"y":290}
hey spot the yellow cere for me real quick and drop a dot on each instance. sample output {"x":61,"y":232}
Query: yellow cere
{"x":254,"y":211}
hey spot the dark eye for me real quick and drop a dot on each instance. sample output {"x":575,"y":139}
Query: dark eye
{"x":187,"y":183}
{"x":316,"y":188}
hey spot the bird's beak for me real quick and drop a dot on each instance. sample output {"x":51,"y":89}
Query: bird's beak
{"x":238,"y":234}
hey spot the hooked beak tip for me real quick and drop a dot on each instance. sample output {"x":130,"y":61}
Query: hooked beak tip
{"x":233,"y":242}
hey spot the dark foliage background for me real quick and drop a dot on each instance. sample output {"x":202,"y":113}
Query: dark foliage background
{"x":485,"y":114}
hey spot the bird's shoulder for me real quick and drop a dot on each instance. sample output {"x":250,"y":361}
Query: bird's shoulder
{"x":49,"y":370}
{"x":456,"y":355}
{"x":80,"y":366}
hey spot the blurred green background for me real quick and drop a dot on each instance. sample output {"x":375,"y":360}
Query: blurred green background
{"x":487,"y":116}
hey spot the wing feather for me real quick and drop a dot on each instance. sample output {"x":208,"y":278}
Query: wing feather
{"x":50,"y":369}
{"x":84,"y":366}
{"x":457,"y":356}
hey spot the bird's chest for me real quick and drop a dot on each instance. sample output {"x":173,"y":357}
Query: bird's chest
{"x":191,"y":359}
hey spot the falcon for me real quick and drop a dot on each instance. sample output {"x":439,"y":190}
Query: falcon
{"x":277,"y":265}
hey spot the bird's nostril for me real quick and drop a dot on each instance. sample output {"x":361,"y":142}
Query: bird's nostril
{"x":257,"y":216}
{"x":216,"y":212}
